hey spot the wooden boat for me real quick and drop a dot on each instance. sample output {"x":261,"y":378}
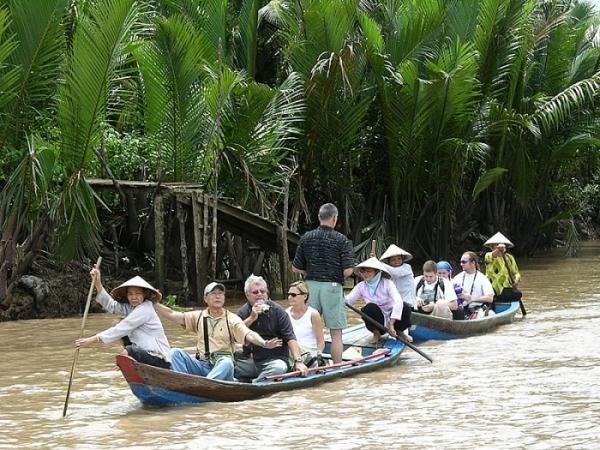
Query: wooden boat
{"x":425,"y":327}
{"x":161,"y":387}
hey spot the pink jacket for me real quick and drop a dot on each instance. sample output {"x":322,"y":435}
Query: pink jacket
{"x":386,"y":297}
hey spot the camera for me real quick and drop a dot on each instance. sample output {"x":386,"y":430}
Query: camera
{"x":264,"y":306}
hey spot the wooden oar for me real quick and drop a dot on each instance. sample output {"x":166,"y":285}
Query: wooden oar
{"x":351,"y":362}
{"x":76,"y":356}
{"x":512,"y":282}
{"x":383,"y":330}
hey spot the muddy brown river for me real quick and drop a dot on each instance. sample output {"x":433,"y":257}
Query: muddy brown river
{"x":534,"y":383}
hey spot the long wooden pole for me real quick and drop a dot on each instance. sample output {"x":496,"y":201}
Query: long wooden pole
{"x":213,"y":265}
{"x":352,"y":362}
{"x":76,"y":356}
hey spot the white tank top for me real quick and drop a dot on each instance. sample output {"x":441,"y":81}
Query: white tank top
{"x":303,"y":328}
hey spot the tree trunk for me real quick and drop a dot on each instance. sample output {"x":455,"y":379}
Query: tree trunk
{"x":182,"y":218}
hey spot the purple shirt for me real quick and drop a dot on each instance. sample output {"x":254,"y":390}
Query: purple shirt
{"x":386,"y":297}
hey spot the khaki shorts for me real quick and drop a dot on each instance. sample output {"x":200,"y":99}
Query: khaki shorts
{"x":328,"y":298}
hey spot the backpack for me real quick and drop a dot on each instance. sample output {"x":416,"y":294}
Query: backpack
{"x":440,"y":284}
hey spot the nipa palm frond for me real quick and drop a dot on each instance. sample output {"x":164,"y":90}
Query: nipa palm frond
{"x":9,"y":74}
{"x":171,"y":67}
{"x":98,"y":48}
{"x":40,"y":53}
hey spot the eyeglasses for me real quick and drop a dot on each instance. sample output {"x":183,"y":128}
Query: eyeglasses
{"x":465,"y":261}
{"x":259,"y":291}
{"x":293,"y":294}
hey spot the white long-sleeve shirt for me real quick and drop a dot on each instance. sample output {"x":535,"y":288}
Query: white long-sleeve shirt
{"x":402,"y":277}
{"x":141,"y":324}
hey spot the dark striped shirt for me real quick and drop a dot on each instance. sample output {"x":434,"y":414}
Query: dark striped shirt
{"x":324,"y":254}
{"x":274,"y":323}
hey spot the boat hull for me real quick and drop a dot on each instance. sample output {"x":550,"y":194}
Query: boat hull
{"x":425,"y":327}
{"x":162,"y":387}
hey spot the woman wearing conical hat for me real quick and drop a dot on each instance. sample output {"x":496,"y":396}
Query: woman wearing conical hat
{"x":501,"y":268}
{"x":383,"y":302}
{"x":395,"y":261}
{"x":133,"y":299}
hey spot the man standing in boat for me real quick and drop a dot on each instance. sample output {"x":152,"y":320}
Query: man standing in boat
{"x":270,"y":320}
{"x":218,"y":331}
{"x":324,"y":256}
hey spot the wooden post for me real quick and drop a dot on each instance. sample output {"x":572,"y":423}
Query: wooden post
{"x":159,"y":242}
{"x":214,"y":236}
{"x":115,"y":237}
{"x":182,"y":218}
{"x":285,"y":255}
{"x":206,"y":228}
{"x":200,"y":253}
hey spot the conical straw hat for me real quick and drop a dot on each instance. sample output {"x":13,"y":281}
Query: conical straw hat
{"x":120,"y":293}
{"x":496,"y":239}
{"x":374,"y":263}
{"x":394,"y":250}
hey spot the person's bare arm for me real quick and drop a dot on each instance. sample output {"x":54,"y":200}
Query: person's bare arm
{"x":168,"y":313}
{"x":295,"y":350}
{"x":254,"y":338}
{"x":254,"y":313}
{"x":300,"y":271}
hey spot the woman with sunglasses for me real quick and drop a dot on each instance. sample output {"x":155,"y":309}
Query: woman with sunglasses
{"x":383,"y":302}
{"x":306,"y":321}
{"x":477,"y":289}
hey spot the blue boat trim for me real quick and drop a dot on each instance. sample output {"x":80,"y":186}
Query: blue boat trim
{"x":439,"y":329}
{"x":161,"y":387}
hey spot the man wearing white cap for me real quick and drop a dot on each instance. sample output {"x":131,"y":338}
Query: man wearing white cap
{"x":501,"y":268}
{"x":133,"y":299}
{"x":218,"y":330}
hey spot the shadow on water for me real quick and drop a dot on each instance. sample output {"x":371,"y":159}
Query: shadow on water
{"x":532,"y":383}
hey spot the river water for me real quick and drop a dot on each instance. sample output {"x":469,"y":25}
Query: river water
{"x":534,"y":383}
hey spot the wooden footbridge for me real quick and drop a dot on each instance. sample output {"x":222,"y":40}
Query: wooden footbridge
{"x":191,"y":202}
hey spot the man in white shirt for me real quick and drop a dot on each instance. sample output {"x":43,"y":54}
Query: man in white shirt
{"x":435,"y":295}
{"x":477,"y":288}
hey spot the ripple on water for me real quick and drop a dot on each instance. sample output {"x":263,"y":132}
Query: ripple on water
{"x":533,"y":383}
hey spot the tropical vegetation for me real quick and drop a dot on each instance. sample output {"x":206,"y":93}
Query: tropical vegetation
{"x":428,"y":122}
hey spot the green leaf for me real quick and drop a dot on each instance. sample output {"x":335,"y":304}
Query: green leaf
{"x":563,"y":215}
{"x":487,"y":179}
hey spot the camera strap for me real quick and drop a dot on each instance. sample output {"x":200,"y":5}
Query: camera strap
{"x":205,"y":331}
{"x":206,"y":338}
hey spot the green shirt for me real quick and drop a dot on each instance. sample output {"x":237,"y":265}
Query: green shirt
{"x":498,"y":273}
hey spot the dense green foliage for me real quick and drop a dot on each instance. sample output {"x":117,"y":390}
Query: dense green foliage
{"x":425,"y":121}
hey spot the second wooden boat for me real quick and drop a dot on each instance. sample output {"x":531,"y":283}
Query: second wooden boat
{"x":425,"y":327}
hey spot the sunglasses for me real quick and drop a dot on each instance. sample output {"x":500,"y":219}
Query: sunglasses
{"x":293,"y":294}
{"x":259,"y":291}
{"x":465,"y":261}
